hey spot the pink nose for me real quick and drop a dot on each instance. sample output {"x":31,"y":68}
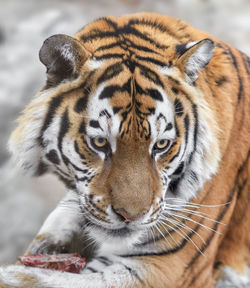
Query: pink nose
{"x":128,"y":217}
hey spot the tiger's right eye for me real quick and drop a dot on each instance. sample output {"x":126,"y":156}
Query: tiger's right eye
{"x":161,"y":145}
{"x":101,"y":144}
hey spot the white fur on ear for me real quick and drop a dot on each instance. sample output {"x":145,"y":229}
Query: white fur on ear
{"x":195,"y":56}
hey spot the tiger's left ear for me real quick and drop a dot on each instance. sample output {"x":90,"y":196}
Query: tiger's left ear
{"x":193,"y":57}
{"x":63,"y":57}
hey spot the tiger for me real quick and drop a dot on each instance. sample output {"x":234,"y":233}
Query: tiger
{"x":145,"y":119}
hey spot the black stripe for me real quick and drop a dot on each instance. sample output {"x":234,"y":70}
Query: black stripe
{"x":221,"y":215}
{"x":173,"y":185}
{"x":81,"y":103}
{"x":78,"y":151}
{"x":152,"y":60}
{"x":105,"y":260}
{"x":41,"y":169}
{"x":109,"y":46}
{"x":161,"y":116}
{"x":179,"y":169}
{"x":246,"y":62}
{"x":208,"y":241}
{"x":186,"y":123}
{"x":180,"y":49}
{"x":116,"y":109}
{"x":240,"y":92}
{"x":194,"y":176}
{"x":183,"y":221}
{"x":91,"y":269}
{"x":178,"y":108}
{"x":95,"y":124}
{"x":110,"y":72}
{"x":168,"y":127}
{"x":53,"y":157}
{"x":62,"y":172}
{"x":92,"y":204}
{"x":109,"y":91}
{"x":196,"y":123}
{"x":140,"y":47}
{"x":132,"y":31}
{"x":175,"y":90}
{"x":149,"y":74}
{"x":171,"y":251}
{"x":64,"y":128}
{"x":109,"y":22}
{"x":68,"y":183}
{"x":153,"y":24}
{"x":154,"y":94}
{"x":99,"y":35}
{"x":83,"y":179}
{"x":82,"y":128}
{"x":109,"y":56}
{"x":105,"y":113}
{"x":53,"y":106}
{"x":176,"y":155}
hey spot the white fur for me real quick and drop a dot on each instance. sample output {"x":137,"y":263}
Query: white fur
{"x":93,"y":64}
{"x":232,"y":279}
{"x":60,"y":224}
{"x":198,"y":59}
{"x":66,"y":52}
{"x":114,"y":275}
{"x":110,"y":128}
{"x":158,"y":126}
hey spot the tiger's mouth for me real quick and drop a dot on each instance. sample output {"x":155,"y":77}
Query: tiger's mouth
{"x":122,"y":230}
{"x":118,"y":228}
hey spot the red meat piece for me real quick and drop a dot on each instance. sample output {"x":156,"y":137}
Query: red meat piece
{"x":63,"y":262}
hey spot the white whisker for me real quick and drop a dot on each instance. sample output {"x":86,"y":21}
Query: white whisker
{"x":190,"y":219}
{"x":168,"y":233}
{"x":196,"y":213}
{"x":188,"y":228}
{"x":183,"y":234}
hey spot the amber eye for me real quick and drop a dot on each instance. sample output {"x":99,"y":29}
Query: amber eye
{"x":161,"y":145}
{"x":99,"y":142}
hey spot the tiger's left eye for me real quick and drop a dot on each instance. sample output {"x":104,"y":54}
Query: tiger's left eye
{"x":99,"y":142}
{"x":161,"y":145}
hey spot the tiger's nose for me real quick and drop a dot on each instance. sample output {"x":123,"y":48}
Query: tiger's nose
{"x":128,"y":216}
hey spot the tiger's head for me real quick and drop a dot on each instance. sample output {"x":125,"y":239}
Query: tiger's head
{"x":122,"y":122}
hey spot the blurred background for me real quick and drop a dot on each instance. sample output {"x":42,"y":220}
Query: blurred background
{"x":24,"y":25}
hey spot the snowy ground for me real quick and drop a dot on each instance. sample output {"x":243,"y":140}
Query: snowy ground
{"x":25,"y":202}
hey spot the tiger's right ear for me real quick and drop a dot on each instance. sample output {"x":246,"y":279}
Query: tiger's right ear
{"x":194,"y":56}
{"x":63,"y":57}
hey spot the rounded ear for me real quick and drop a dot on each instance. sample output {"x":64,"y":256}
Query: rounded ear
{"x":63,"y":57}
{"x":193,"y":57}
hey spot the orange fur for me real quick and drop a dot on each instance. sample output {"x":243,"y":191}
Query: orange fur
{"x":224,"y":86}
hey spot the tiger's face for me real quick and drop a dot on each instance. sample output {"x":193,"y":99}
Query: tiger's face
{"x":128,"y":135}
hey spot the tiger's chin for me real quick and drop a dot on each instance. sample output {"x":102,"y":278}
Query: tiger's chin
{"x":122,"y":230}
{"x":118,"y":239}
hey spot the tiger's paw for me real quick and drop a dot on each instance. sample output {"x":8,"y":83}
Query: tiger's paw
{"x":46,"y":243}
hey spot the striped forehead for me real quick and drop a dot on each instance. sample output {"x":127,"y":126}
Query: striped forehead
{"x":115,"y":110}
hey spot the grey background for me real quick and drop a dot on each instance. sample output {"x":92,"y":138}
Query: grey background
{"x":24,"y":25}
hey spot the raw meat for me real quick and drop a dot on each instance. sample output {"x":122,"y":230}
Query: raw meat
{"x":64,"y":262}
